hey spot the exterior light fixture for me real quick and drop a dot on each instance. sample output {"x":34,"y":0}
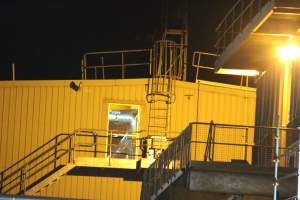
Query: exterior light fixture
{"x":289,"y":52}
{"x":238,"y":72}
{"x":74,"y":86}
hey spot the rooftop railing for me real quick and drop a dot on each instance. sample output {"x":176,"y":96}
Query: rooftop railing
{"x":116,"y":64}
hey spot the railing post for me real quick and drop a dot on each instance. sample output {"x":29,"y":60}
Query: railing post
{"x":70,"y":149}
{"x":23,"y":180}
{"x":246,"y":145}
{"x":123,"y":68}
{"x":55,"y":152}
{"x":110,"y":148}
{"x":103,"y":71}
{"x":276,"y":159}
{"x":1,"y":181}
{"x":298,"y":167}
{"x":74,"y":146}
{"x":95,"y":145}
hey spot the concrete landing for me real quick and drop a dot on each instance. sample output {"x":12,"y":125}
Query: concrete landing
{"x":241,"y":179}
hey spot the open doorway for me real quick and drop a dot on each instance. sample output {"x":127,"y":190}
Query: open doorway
{"x":123,"y":126}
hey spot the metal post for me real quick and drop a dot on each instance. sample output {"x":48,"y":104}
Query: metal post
{"x":21,"y":180}
{"x":298,"y":167}
{"x":150,"y":63}
{"x":123,"y":68}
{"x":110,"y":148}
{"x":246,"y":145}
{"x":55,"y":152}
{"x":1,"y":181}
{"x":82,"y":70}
{"x":13,"y":69}
{"x":70,"y":149}
{"x":95,"y":145}
{"x":103,"y":73}
{"x":276,"y":159}
{"x":74,"y":145}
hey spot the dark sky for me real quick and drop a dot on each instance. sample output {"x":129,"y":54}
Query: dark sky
{"x":47,"y":39}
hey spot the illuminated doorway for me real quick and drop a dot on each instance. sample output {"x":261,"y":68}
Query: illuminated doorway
{"x":123,"y":126}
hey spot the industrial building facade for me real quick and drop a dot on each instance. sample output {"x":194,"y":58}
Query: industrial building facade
{"x":33,"y":112}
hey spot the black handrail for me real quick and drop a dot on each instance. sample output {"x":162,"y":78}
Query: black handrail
{"x":27,"y":156}
{"x":20,"y":173}
{"x":34,"y":159}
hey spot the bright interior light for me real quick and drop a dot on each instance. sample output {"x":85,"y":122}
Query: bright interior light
{"x":289,"y":52}
{"x":238,"y":72}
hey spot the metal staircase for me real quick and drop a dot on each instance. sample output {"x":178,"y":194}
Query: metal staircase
{"x":40,"y":168}
{"x":57,"y":157}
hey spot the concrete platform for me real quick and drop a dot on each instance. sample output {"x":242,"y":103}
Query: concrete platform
{"x":241,"y":179}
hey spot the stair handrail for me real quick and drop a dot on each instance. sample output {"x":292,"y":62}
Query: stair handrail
{"x":33,"y":152}
{"x":17,"y":175}
{"x":168,"y":167}
{"x":28,"y":162}
{"x":34,"y":159}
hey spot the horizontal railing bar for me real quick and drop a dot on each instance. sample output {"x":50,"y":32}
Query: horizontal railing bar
{"x":116,"y":52}
{"x":40,"y":155}
{"x":245,"y":126}
{"x":32,"y":153}
{"x":116,"y":65}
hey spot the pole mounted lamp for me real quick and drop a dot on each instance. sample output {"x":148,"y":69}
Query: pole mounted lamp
{"x":289,"y":52}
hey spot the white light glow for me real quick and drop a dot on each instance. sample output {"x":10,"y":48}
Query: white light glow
{"x":289,"y":52}
{"x":238,"y":72}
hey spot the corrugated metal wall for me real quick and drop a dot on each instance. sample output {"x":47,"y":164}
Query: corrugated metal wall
{"x":32,"y":112}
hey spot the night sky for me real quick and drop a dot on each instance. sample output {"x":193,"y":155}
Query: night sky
{"x":47,"y":39}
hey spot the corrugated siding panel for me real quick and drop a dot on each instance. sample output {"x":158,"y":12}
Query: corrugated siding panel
{"x":32,"y":112}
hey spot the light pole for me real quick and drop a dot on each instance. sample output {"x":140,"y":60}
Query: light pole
{"x":287,"y":55}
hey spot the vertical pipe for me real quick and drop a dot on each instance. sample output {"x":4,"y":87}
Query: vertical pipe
{"x":13,"y":69}
{"x":276,"y":159}
{"x":298,"y":167}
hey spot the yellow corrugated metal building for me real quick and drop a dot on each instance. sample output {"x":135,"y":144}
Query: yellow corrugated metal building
{"x":32,"y":112}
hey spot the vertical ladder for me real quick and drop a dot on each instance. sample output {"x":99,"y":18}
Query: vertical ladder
{"x":158,"y":125}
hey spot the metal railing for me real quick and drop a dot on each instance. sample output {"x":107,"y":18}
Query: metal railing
{"x":236,"y":19}
{"x":168,"y":167}
{"x":64,"y":149}
{"x":210,"y":142}
{"x":105,"y":64}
